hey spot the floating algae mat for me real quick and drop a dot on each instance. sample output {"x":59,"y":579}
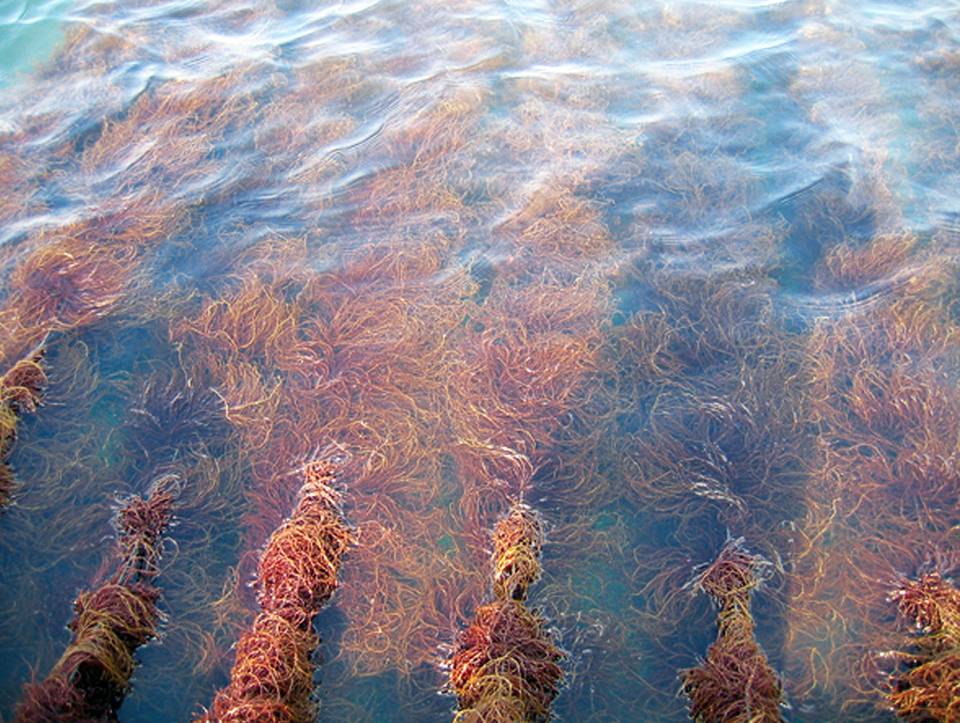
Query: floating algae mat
{"x":422,"y":361}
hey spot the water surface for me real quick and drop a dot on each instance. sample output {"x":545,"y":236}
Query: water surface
{"x":695,"y":263}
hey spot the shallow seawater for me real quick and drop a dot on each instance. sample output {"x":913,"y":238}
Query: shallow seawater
{"x":29,"y":33}
{"x":671,"y":273}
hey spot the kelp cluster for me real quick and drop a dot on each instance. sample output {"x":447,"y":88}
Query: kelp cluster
{"x":481,"y":281}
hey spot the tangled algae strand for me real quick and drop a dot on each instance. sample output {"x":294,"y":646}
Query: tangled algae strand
{"x":506,"y":667}
{"x":735,"y":684}
{"x":92,"y":677}
{"x":882,"y":493}
{"x":926,"y":689}
{"x":272,"y":677}
{"x":21,"y":390}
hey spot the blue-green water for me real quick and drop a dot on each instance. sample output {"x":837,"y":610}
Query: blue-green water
{"x":30,"y":32}
{"x":696,"y":262}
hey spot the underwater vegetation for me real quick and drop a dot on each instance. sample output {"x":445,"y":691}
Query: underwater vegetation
{"x":22,"y":391}
{"x":735,"y":682}
{"x":355,"y":299}
{"x":882,"y":495}
{"x":925,"y":690}
{"x":173,"y":414}
{"x":505,"y":666}
{"x":92,"y":677}
{"x":272,"y":676}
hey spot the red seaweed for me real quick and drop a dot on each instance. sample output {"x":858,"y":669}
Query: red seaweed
{"x":272,"y":677}
{"x":92,"y":677}
{"x":735,"y":684}
{"x":506,"y":666}
{"x":926,"y":689}
{"x":21,"y":390}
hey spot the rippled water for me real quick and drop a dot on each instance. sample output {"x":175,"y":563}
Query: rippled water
{"x":696,"y":262}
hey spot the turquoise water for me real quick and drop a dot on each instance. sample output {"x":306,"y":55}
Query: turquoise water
{"x":695,"y":263}
{"x":30,"y":32}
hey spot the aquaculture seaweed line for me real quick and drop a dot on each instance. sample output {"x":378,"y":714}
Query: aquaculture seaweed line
{"x":882,"y":497}
{"x":926,"y":689}
{"x":710,"y":444}
{"x":506,"y":667}
{"x":356,"y":355}
{"x":21,"y":390}
{"x":272,"y":677}
{"x":735,"y":684}
{"x":92,"y":677}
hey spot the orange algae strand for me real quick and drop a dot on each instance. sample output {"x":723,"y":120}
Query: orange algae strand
{"x":358,"y":355}
{"x":23,"y":385}
{"x":140,"y":523}
{"x":77,"y":274}
{"x":883,"y":491}
{"x":506,"y":666}
{"x":272,"y":678}
{"x":92,"y":677}
{"x":517,"y":541}
{"x":735,"y":684}
{"x":926,"y":690}
{"x":21,"y":390}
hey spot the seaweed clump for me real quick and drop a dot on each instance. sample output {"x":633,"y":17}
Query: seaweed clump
{"x":21,"y":390}
{"x":735,"y":684}
{"x":92,"y":677}
{"x":926,"y":690}
{"x":272,"y":677}
{"x":174,"y":412}
{"x":506,"y":666}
